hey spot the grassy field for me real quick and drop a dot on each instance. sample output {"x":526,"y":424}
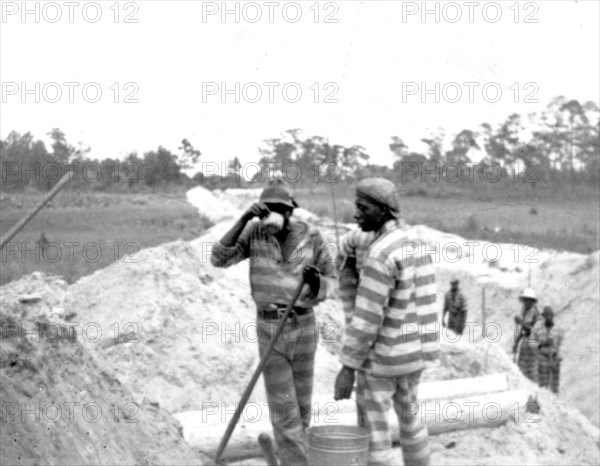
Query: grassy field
{"x":568,"y":221}
{"x":88,"y":231}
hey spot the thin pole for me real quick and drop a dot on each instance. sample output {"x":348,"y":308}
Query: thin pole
{"x":337,"y":234}
{"x":25,"y":220}
{"x":483,"y":309}
{"x":256,"y":375}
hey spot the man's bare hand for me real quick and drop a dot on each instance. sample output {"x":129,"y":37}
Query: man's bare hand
{"x":344,"y":383}
{"x":311,"y":276}
{"x":258,"y":209}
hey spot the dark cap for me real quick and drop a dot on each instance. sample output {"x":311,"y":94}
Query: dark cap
{"x":547,"y":312}
{"x":380,"y":192}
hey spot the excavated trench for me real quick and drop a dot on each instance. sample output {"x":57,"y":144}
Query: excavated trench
{"x":178,"y":343}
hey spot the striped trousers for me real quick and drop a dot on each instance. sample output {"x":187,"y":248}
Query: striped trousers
{"x":548,"y":373}
{"x":528,"y":358}
{"x":374,"y":398}
{"x":288,"y":377}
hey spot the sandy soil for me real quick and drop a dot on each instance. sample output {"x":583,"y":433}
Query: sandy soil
{"x":178,"y":336}
{"x":58,"y":405}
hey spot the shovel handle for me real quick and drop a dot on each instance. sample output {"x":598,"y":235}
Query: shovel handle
{"x":256,"y":375}
{"x":21,"y":223}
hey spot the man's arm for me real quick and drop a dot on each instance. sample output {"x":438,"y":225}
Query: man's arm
{"x":325,"y":261}
{"x":463,"y":303}
{"x":348,"y":274}
{"x":528,"y":323}
{"x":234,"y":247}
{"x":446,"y":308}
{"x":373,"y":294}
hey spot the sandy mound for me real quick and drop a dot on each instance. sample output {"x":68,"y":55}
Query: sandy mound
{"x":180,"y":335}
{"x":58,"y":405}
{"x":568,"y":283}
{"x":195,"y":325}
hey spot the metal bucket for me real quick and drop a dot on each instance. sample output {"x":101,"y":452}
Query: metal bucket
{"x":338,"y":446}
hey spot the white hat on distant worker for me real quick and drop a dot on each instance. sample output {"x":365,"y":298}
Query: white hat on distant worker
{"x":528,"y":293}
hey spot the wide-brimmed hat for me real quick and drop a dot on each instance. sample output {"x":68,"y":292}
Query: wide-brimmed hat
{"x":528,"y":293}
{"x":277,"y":195}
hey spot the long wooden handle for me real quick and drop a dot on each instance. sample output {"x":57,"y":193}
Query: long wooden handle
{"x":14,"y":230}
{"x":256,"y":375}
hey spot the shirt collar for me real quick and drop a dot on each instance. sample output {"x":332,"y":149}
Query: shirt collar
{"x":387,"y":227}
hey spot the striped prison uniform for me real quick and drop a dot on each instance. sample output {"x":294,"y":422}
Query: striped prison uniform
{"x":528,"y":352}
{"x":456,"y":306}
{"x":275,"y":271}
{"x":392,"y":334}
{"x":550,"y":340}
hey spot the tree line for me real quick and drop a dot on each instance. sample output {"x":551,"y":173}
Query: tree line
{"x":557,"y":146}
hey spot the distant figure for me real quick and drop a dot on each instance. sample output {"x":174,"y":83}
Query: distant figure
{"x":456,"y":306}
{"x":550,"y":339}
{"x":526,"y":335}
{"x":43,"y":243}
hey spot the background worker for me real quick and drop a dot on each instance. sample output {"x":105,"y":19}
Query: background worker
{"x":396,"y":291}
{"x":550,"y":338}
{"x":282,"y":250}
{"x":455,"y":306}
{"x":526,"y":332}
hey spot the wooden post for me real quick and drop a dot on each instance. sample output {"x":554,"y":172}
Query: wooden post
{"x":335,"y":217}
{"x":25,"y":220}
{"x":483,"y":316}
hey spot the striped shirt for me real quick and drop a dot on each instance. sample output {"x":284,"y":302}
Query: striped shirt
{"x":275,"y":269}
{"x":394,"y":327}
{"x":353,"y":248}
{"x":550,"y":340}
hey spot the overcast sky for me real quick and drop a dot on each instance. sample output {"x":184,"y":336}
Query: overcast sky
{"x":370,"y":57}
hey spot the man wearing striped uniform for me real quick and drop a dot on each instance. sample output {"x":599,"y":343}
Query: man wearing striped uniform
{"x":353,"y":248}
{"x":283,"y":250}
{"x":526,"y":344}
{"x":549,"y":340}
{"x":393,"y":331}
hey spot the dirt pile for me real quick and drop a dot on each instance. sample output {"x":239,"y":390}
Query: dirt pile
{"x":194,"y":325}
{"x":58,"y":406}
{"x":567,"y":282}
{"x":181,"y":335}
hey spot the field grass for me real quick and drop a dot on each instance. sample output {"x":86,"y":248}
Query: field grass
{"x":567,"y":221}
{"x":88,"y":231}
